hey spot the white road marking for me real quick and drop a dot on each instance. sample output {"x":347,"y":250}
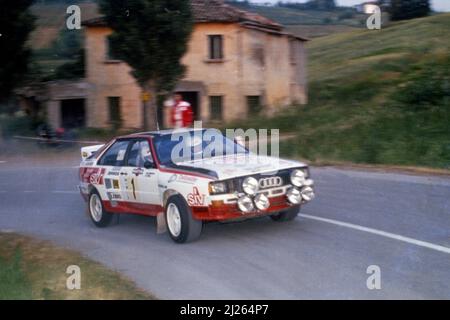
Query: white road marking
{"x":29,"y":191}
{"x":385,"y":234}
{"x":2,"y":162}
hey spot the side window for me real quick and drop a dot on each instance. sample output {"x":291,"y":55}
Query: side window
{"x":115,"y":156}
{"x":140,"y":152}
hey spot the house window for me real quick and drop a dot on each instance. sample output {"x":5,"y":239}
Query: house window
{"x":254,"y":104}
{"x":115,"y":116}
{"x":215,"y":47}
{"x":216,"y":107}
{"x":109,"y":53}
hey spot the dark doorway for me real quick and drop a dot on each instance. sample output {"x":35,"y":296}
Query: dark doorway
{"x":73,"y":113}
{"x":193,"y":98}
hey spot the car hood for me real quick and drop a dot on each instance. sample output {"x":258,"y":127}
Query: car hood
{"x":231,"y":166}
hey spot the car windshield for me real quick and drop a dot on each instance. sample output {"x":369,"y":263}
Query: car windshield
{"x":194,"y":145}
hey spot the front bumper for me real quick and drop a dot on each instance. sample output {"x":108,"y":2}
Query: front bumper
{"x":227,"y":209}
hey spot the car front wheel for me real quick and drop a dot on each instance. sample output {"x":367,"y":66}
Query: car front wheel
{"x":180,"y":223}
{"x":287,"y":215}
{"x":98,"y":215}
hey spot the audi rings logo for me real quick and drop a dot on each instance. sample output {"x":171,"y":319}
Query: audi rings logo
{"x":270,"y":182}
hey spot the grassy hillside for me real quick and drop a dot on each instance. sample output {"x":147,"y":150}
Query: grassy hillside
{"x":310,"y":23}
{"x":379,"y":97}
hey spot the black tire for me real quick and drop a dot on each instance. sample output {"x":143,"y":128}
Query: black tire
{"x":105,"y":217}
{"x":190,"y":228}
{"x":287,"y":215}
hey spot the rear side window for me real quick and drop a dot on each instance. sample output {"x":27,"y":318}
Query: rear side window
{"x":115,"y":156}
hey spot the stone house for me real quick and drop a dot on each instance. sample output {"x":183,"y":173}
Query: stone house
{"x":237,"y":64}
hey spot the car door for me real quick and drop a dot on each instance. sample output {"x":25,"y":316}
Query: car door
{"x":143,"y":178}
{"x":115,"y":176}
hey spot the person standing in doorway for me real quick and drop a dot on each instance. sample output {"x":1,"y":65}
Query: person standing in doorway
{"x":182,"y":114}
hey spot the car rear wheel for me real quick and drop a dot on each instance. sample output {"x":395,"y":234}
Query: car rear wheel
{"x":180,"y":223}
{"x":98,"y":215}
{"x":287,"y":215}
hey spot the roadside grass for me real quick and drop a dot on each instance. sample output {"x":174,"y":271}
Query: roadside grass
{"x":376,"y":97}
{"x":34,"y":269}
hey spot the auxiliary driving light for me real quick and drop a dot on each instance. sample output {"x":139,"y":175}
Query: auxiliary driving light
{"x":298,"y":178}
{"x":245,"y":204}
{"x":262,"y":202}
{"x":294,"y":196}
{"x":307,"y":193}
{"x":250,"y":186}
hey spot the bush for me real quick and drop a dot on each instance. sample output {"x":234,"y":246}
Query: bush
{"x":428,"y":87}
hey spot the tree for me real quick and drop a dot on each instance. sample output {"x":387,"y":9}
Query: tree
{"x":152,"y":37}
{"x":409,"y":9}
{"x":74,"y":69}
{"x":16,"y":24}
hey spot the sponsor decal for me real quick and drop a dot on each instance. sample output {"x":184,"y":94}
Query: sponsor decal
{"x":108,"y":184}
{"x":183,"y":178}
{"x":114,"y":196}
{"x":92,"y":175}
{"x":116,"y":184}
{"x":138,"y":171}
{"x":113,"y":173}
{"x":97,"y":177}
{"x":195,"y":198}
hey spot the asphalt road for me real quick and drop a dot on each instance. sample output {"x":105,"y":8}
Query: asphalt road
{"x":400,"y":223}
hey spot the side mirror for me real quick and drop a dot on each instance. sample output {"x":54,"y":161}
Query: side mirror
{"x":148,"y":165}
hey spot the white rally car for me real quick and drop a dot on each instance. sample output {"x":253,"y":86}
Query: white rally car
{"x":188,"y":179}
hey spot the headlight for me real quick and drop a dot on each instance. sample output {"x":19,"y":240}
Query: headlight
{"x":262,"y":202}
{"x":245,"y":204}
{"x":308,"y":193}
{"x":250,"y":186}
{"x":217,"y":187}
{"x":298,"y":178}
{"x":294,"y":196}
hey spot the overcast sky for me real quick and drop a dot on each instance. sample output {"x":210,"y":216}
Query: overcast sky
{"x":438,"y":5}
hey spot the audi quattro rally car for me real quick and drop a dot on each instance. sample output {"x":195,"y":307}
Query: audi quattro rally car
{"x":184,"y":181}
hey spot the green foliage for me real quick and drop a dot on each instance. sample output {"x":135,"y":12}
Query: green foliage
{"x":151,"y":36}
{"x":72,"y":70}
{"x":68,"y":44}
{"x":409,"y":9}
{"x":17,"y":125}
{"x":427,"y":87}
{"x":16,"y":24}
{"x":13,"y":283}
{"x":310,"y":5}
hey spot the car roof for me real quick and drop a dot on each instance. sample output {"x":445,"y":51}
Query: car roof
{"x":158,"y":133}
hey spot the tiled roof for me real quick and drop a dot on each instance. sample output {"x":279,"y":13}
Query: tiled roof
{"x":214,"y":11}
